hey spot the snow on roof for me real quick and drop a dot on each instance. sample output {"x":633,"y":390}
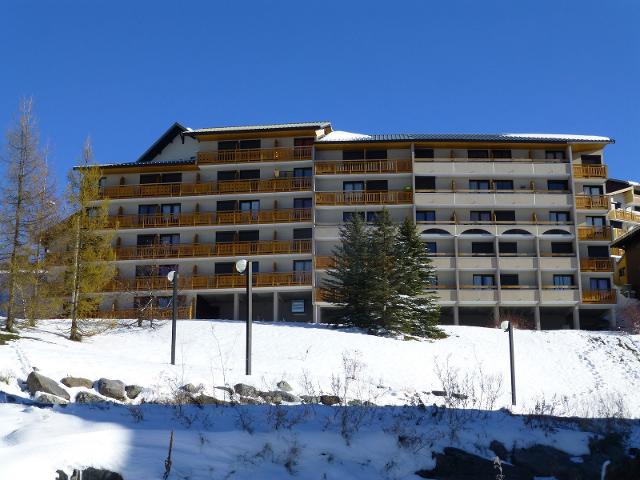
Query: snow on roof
{"x":561,"y":136}
{"x":342,"y":136}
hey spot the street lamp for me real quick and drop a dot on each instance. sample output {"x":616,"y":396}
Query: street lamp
{"x":241,"y":266}
{"x":507,"y":326}
{"x":172,"y":276}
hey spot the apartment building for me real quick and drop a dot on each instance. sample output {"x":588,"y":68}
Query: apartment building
{"x":514,"y":223}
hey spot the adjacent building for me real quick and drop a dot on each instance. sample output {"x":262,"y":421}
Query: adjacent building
{"x":514,"y":223}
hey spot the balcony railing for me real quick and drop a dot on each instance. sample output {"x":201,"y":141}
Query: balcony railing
{"x":210,"y":218}
{"x":284,"y":279}
{"x":362,"y":167}
{"x":624,"y":215}
{"x":230,"y":249}
{"x":364,"y":198}
{"x":617,"y":251}
{"x":599,"y":202}
{"x":256,"y":155}
{"x":324,"y":262}
{"x":146,"y":313}
{"x":599,"y":296}
{"x":631,"y":197}
{"x":596,"y":265}
{"x":590,"y":171}
{"x":594,"y":233}
{"x":209,"y":188}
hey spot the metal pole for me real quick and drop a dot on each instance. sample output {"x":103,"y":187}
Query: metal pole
{"x":174,"y":314}
{"x":513,"y":366}
{"x":249,"y":316}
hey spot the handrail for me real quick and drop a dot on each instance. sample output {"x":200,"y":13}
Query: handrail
{"x":594,"y":233}
{"x":590,"y":171}
{"x":596,"y":264}
{"x":491,"y":160}
{"x":492,"y":190}
{"x":625,"y":215}
{"x":267,"y":185}
{"x":393,"y":197}
{"x":144,"y":313}
{"x":210,"y":218}
{"x":323,"y":262}
{"x":599,"y":296}
{"x":256,"y":155}
{"x":592,"y":201}
{"x":363,"y":166}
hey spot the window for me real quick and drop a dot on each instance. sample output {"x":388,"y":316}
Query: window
{"x":599,"y":284}
{"x":225,"y":237}
{"x":554,"y":155}
{"x":297,"y":306}
{"x":249,"y":205}
{"x":478,"y":153}
{"x":228,"y":145}
{"x":302,"y":265}
{"x":303,"y":141}
{"x":163,"y":270}
{"x":372,"y":216}
{"x":505,"y":215}
{"x":561,"y":248}
{"x":249,"y":144}
{"x":563,"y":280}
{"x":164,"y":301}
{"x":592,"y":189}
{"x":508,"y":248}
{"x":226,"y":205}
{"x":615,"y":224}
{"x":483,"y":280}
{"x":148,"y":209}
{"x":169,"y":239}
{"x":559,"y":217}
{"x":348,"y":216}
{"x":224,"y":268}
{"x":425,"y":183}
{"x":302,"y":172}
{"x":302,"y":202}
{"x":170,"y":209}
{"x":622,"y":272}
{"x":599,"y":251}
{"x":144,"y":271}
{"x":377,"y":185}
{"x":595,"y":221}
{"x":501,"y":153}
{"x":102,"y":182}
{"x":432,"y":247}
{"x":248,"y":235}
{"x":559,"y":185}
{"x":353,"y":186}
{"x":423,"y":152}
{"x":147,"y":178}
{"x":503,"y":184}
{"x":301,"y":233}
{"x":591,"y":159}
{"x":509,"y":280}
{"x":482,"y":248}
{"x":479,"y":184}
{"x":425,"y":216}
{"x":227,"y":175}
{"x":249,"y":174}
{"x":480,"y":216}
{"x":353,"y":154}
{"x":144,"y":240}
{"x":376,"y":154}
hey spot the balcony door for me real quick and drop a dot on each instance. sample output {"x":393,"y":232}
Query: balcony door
{"x":599,"y":284}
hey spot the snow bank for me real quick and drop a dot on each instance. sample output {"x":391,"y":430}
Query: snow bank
{"x":341,"y":136}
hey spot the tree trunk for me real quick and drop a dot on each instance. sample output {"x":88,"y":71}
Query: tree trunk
{"x":75,"y":292}
{"x":15,"y":245}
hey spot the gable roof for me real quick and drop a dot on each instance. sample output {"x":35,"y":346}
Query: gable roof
{"x":165,"y":139}
{"x":258,"y":128}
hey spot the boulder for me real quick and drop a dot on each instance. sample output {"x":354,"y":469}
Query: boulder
{"x":284,"y":386}
{"x":245,"y":390}
{"x":329,"y":399}
{"x":310,"y":399}
{"x":61,"y":475}
{"x":72,"y":382}
{"x":191,"y":388}
{"x":499,"y":449}
{"x":439,"y":393}
{"x":95,"y":474}
{"x":546,"y":461}
{"x":277,"y":396}
{"x":111,"y":388}
{"x":51,"y":399}
{"x":36,"y":382}
{"x":227,"y":390}
{"x":249,"y":401}
{"x":360,"y":403}
{"x":87,"y":397}
{"x":203,"y":399}
{"x":133,"y":391}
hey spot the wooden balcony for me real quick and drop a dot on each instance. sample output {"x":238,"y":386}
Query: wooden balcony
{"x":599,"y":296}
{"x":231,"y":249}
{"x":600,"y":202}
{"x":594,"y":233}
{"x":323,"y":262}
{"x":364,"y":198}
{"x":590,"y":171}
{"x":147,"y":313}
{"x":210,"y":218}
{"x":269,"y":185}
{"x":363,"y":167}
{"x":596,"y":265}
{"x":624,"y":215}
{"x":630,"y":197}
{"x":617,"y":251}
{"x":231,"y":280}
{"x":256,"y":155}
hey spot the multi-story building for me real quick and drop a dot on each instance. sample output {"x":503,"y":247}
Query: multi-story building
{"x":514,"y":223}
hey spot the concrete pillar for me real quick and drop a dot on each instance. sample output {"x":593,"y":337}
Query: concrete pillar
{"x":456,"y":315}
{"x":275,"y":307}
{"x":317,"y":314}
{"x":536,"y":316}
{"x":496,"y":313}
{"x":612,"y":319}
{"x":236,"y":306}
{"x":576,"y":318}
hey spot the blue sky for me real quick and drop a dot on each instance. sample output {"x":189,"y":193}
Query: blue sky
{"x":122,"y":72}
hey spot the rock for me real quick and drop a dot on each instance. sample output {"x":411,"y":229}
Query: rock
{"x":95,"y":474}
{"x":133,"y":391}
{"x":249,"y":401}
{"x":284,"y":386}
{"x":62,"y":475}
{"x":459,"y":396}
{"x":111,"y":388}
{"x":546,"y":461}
{"x":277,"y":397}
{"x":72,"y":382}
{"x":245,"y":390}
{"x":37,"y":382}
{"x":456,"y":464}
{"x":310,"y":399}
{"x":52,"y":399}
{"x":203,"y":399}
{"x":439,"y":393}
{"x":228,"y":390}
{"x":360,"y":403}
{"x":624,"y":469}
{"x":329,"y":400}
{"x":87,"y":397}
{"x":191,"y":388}
{"x":499,"y":449}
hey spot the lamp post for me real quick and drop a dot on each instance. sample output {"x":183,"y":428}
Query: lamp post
{"x":507,"y":326}
{"x":241,"y":266}
{"x":172,"y":276}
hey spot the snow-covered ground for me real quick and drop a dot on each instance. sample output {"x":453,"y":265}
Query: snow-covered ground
{"x":575,"y":372}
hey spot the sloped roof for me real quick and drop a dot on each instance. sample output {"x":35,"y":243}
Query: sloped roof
{"x":347,"y":137}
{"x":632,"y":236}
{"x":165,"y":139}
{"x":253,"y":128}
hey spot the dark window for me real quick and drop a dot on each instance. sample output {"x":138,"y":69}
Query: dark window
{"x":376,"y":154}
{"x":501,"y":153}
{"x":353,"y":154}
{"x":225,"y":175}
{"x":478,"y":153}
{"x":561,"y":247}
{"x":615,"y":224}
{"x":425,"y":216}
{"x":595,"y":221}
{"x":171,"y":178}
{"x":225,"y":237}
{"x":508,"y":248}
{"x":224,"y":268}
{"x":150,"y":178}
{"x":503,"y":184}
{"x":252,"y":144}
{"x":592,"y":189}
{"x":302,"y":203}
{"x":145,"y":270}
{"x":377,"y":185}
{"x":228,"y":145}
{"x":482,"y":248}
{"x":249,"y":205}
{"x":424,"y":152}
{"x":353,"y":186}
{"x":301,"y":233}
{"x":558,"y":185}
{"x":302,"y":265}
{"x":302,"y":172}
{"x":480,"y":216}
{"x":598,"y":251}
{"x":170,"y":208}
{"x":509,"y":279}
{"x":347,"y":216}
{"x":372,"y":216}
{"x":164,"y":301}
{"x":226,"y":205}
{"x":163,"y":270}
{"x":554,"y":154}
{"x":102,"y":182}
{"x":297,"y":306}
{"x":148,"y":209}
{"x":249,"y":174}
{"x":563,"y":280}
{"x":505,"y":216}
{"x":143,"y":240}
{"x":599,"y":284}
{"x":169,"y":239}
{"x":303,"y":141}
{"x":479,"y":184}
{"x":559,"y":217}
{"x":425,"y":183}
{"x":591,"y":159}
{"x":248,"y":235}
{"x":432,"y":247}
{"x":483,"y":280}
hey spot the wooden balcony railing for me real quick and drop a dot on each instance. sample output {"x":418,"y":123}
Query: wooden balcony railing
{"x":596,"y":265}
{"x":631,"y":197}
{"x":364,"y":198}
{"x":624,"y":215}
{"x":256,"y":155}
{"x":617,"y":251}
{"x":590,"y":171}
{"x":594,"y":233}
{"x":208,"y":188}
{"x":323,"y":262}
{"x":284,"y":279}
{"x":363,"y":166}
{"x":592,"y":201}
{"x":231,"y":249}
{"x":599,"y":296}
{"x":146,"y":313}
{"x":210,"y":218}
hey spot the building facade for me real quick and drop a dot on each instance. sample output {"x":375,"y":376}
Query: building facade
{"x":515,"y":224}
